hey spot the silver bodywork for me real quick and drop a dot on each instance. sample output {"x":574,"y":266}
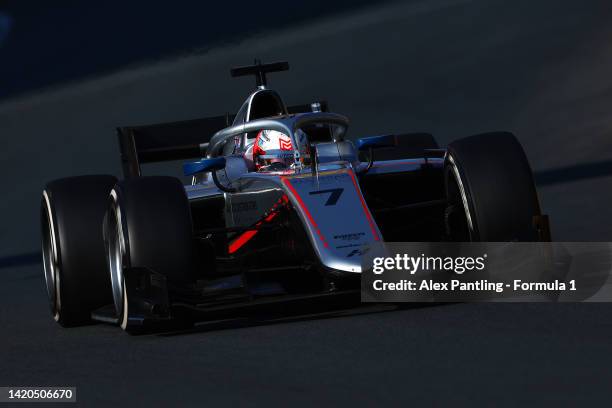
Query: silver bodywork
{"x":336,"y":232}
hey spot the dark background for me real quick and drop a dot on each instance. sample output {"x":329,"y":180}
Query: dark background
{"x":70,"y":72}
{"x":51,"y":43}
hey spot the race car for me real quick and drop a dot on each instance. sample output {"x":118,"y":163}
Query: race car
{"x":278,"y":204}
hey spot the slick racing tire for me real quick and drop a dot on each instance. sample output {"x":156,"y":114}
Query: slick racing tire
{"x":147,"y":225}
{"x":490,"y":190}
{"x":74,"y":262}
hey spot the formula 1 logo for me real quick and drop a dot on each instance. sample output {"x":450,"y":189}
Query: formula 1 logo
{"x":358,"y":252}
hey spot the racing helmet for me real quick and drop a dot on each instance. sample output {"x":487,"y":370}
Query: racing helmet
{"x":273,"y":151}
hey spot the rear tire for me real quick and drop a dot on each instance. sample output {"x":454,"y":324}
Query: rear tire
{"x":148,"y":224}
{"x":490,"y":190}
{"x":76,"y":276}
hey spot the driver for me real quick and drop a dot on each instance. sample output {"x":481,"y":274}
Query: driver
{"x":273,"y":151}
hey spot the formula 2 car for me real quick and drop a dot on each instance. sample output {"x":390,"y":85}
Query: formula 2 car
{"x":279,"y":206}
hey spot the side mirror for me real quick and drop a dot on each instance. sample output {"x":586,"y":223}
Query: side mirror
{"x":376,"y":142}
{"x":203,"y":166}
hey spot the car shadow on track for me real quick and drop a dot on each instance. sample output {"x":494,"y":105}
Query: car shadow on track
{"x":297,"y":311}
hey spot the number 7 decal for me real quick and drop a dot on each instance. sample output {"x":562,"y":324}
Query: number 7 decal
{"x":334,"y":195}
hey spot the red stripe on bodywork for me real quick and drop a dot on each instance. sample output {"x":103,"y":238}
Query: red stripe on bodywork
{"x":286,"y":181}
{"x":246,"y":236}
{"x":365,"y":208}
{"x":241,"y":240}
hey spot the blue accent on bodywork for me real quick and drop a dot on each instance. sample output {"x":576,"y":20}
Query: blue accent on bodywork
{"x":204,"y":165}
{"x":376,"y":142}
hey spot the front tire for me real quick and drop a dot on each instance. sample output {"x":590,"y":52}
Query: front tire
{"x":148,"y":224}
{"x":490,"y":190}
{"x":72,"y":210}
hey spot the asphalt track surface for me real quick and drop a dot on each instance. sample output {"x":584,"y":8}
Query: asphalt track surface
{"x":539,"y":69}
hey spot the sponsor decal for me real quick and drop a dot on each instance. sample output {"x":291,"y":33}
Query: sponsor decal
{"x":244,"y":206}
{"x":350,"y":237}
{"x":358,"y":252}
{"x":348,"y":246}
